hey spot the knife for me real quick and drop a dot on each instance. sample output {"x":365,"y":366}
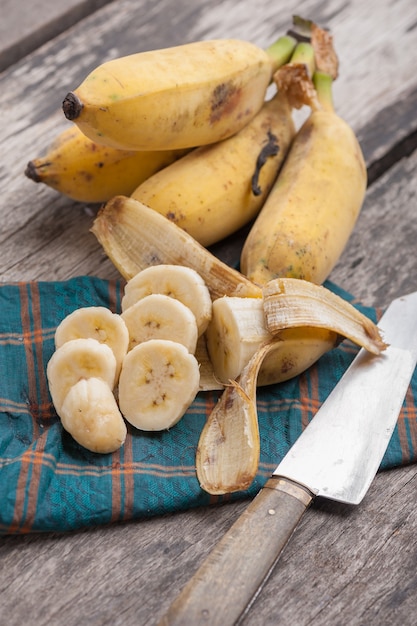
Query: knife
{"x":336,"y":457}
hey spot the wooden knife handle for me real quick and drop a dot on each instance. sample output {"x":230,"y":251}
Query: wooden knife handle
{"x":227,"y":581}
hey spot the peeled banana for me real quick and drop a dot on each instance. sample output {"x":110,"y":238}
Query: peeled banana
{"x":312,"y":208}
{"x":309,"y":320}
{"x":238,"y":330}
{"x":90,"y":172}
{"x":181,"y":97}
{"x":228,"y":450}
{"x":214,"y":190}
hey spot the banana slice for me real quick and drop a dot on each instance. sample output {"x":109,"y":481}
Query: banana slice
{"x":177,"y":281}
{"x":90,"y":414}
{"x":158,"y":382}
{"x":161,"y":317}
{"x":96,"y":322}
{"x":77,"y":359}
{"x":235,"y":333}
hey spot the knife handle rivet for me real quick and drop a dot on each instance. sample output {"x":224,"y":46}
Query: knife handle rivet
{"x":271,"y":512}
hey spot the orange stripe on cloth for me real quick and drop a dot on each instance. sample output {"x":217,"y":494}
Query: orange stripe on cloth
{"x":309,"y":396}
{"x":128,"y":482}
{"x":29,"y":476}
{"x":407,"y":435}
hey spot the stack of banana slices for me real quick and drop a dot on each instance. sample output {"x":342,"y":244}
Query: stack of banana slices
{"x":209,"y":152}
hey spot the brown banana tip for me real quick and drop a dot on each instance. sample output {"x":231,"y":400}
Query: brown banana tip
{"x":72,"y":106}
{"x":32,"y":172}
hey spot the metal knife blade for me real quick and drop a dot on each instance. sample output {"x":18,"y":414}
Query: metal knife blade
{"x":336,"y":456}
{"x":339,"y":453}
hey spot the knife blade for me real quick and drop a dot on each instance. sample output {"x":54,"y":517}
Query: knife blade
{"x":336,"y":456}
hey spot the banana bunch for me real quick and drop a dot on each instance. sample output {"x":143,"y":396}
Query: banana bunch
{"x":90,"y":172}
{"x":308,"y":217}
{"x":139,"y":365}
{"x":90,"y":167}
{"x":181,"y":97}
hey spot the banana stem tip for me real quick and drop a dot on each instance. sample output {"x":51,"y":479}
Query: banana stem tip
{"x":72,"y":106}
{"x":31,"y":172}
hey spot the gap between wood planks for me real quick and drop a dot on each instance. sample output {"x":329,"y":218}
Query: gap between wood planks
{"x":22,"y":44}
{"x":390,"y":136}
{"x":404,"y":148}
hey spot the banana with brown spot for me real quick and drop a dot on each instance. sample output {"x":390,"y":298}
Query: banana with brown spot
{"x":180,"y":97}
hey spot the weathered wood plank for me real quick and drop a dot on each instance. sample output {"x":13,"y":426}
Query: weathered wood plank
{"x":379,"y":262}
{"x":23,"y":30}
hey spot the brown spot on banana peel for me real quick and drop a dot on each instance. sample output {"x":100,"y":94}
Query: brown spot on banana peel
{"x":225,"y":99}
{"x":88,"y":176}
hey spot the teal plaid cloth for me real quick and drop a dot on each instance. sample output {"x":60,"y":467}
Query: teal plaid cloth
{"x":50,"y":483}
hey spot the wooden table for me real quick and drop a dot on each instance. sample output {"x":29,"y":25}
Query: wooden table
{"x":344,"y":565}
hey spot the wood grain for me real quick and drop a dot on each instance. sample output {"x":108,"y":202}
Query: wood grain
{"x":23,"y":31}
{"x":344,"y":565}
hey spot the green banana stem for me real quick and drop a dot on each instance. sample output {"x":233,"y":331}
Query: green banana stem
{"x":323,"y":84}
{"x":281,"y":50}
{"x":304,"y":53}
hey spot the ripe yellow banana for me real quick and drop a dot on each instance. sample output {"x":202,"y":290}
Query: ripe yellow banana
{"x":214,"y":190}
{"x":89,"y":172}
{"x":180,"y":97}
{"x":312,"y":208}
